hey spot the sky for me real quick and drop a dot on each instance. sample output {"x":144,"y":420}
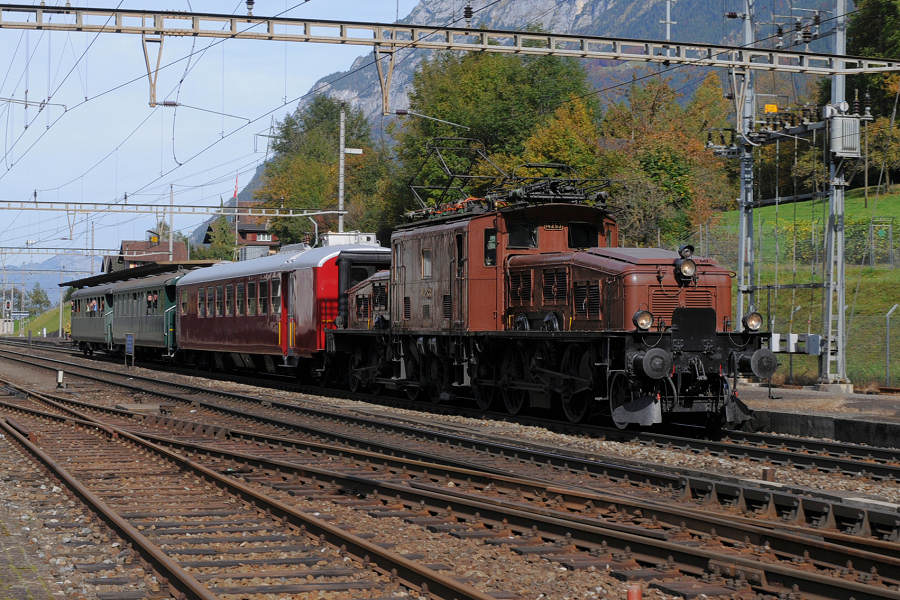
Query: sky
{"x":114,"y":143}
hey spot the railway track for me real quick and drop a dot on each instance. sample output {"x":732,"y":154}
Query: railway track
{"x":778,"y":450}
{"x":210,"y":535}
{"x":787,"y":505}
{"x":680,"y":561}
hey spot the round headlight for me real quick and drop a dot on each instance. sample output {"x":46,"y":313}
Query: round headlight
{"x":753,"y":321}
{"x":642,"y":319}
{"x":687,"y":268}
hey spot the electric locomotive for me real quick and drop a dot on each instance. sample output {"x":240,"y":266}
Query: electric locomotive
{"x":523,"y":299}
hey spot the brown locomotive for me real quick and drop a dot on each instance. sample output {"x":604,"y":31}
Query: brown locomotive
{"x":524,"y":299}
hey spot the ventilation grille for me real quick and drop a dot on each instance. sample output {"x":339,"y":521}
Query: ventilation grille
{"x":407,"y":311}
{"x":555,"y":287}
{"x":520,"y":287}
{"x":587,"y":299}
{"x":664,"y":302}
{"x":448,"y":306}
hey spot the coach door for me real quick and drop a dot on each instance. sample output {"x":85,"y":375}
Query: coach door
{"x":286,"y":322}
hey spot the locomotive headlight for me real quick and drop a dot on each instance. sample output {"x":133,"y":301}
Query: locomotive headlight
{"x":686,"y":268}
{"x":642,"y":319}
{"x":753,"y":321}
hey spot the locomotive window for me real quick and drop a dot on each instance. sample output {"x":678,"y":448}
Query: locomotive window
{"x":522,"y":235}
{"x":229,"y":300}
{"x":379,"y":293}
{"x":239,"y":299}
{"x":210,"y":302}
{"x":276,"y":295}
{"x":426,"y":263}
{"x":251,"y":298}
{"x":220,"y":301}
{"x":460,"y":256}
{"x":490,"y":247}
{"x":582,"y":235}
{"x":201,"y":302}
{"x":263,"y":297}
{"x":184,"y":302}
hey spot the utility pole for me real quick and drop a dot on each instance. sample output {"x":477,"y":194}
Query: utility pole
{"x":833,"y":365}
{"x":59,"y":332}
{"x":341,"y":172}
{"x":747,"y":100}
{"x":668,"y":22}
{"x":171,"y":222}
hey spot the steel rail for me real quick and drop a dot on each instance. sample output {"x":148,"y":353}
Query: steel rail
{"x":152,"y":553}
{"x":734,"y":527}
{"x":409,"y":571}
{"x":864,"y":518}
{"x":763,"y":575}
{"x":397,"y":36}
{"x":881,"y":557}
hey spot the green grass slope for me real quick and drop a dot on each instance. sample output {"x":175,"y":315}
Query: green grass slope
{"x":48,"y":319}
{"x":790,"y":236}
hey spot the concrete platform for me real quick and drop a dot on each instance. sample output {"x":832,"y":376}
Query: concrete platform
{"x":859,"y":418}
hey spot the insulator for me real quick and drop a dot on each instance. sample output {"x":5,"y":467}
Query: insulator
{"x":817,"y":18}
{"x":780,"y":31}
{"x":798,"y":25}
{"x":721,"y":139}
{"x":467,"y":12}
{"x":250,"y":4}
{"x":709,"y":138}
{"x":807,"y":34}
{"x":731,"y":15}
{"x":732,"y":137}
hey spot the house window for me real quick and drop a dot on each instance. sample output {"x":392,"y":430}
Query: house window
{"x":239,"y":303}
{"x":263,"y":237}
{"x":251,"y":298}
{"x":426,"y":263}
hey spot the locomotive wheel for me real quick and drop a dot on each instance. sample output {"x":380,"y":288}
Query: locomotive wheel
{"x":432,"y":379}
{"x":619,"y":395}
{"x":356,"y":379}
{"x":577,"y":404}
{"x":513,"y":370}
{"x":412,"y":374}
{"x":484,"y":395}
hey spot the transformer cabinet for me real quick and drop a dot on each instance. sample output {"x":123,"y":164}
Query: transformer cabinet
{"x":523,"y":299}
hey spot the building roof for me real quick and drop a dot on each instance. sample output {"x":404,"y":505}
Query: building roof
{"x":289,"y":260}
{"x":147,"y":251}
{"x":141,"y":271}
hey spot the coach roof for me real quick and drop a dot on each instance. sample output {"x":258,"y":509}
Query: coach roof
{"x":276,"y":263}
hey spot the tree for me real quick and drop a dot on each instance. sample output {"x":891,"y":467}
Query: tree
{"x":222,"y":242}
{"x":304,"y":172}
{"x":37,"y":300}
{"x":873,"y":30}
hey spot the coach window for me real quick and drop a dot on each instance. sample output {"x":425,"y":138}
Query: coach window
{"x":220,"y":301}
{"x":263,"y":296}
{"x":251,"y":298}
{"x":276,"y":295}
{"x":201,"y":302}
{"x":490,"y":247}
{"x":582,"y":235}
{"x":210,"y":301}
{"x":184,"y":302}
{"x":239,"y":299}
{"x":229,"y":300}
{"x":426,"y":263}
{"x":522,"y":235}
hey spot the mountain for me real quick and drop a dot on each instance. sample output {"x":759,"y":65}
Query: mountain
{"x":49,"y":273}
{"x":696,"y":20}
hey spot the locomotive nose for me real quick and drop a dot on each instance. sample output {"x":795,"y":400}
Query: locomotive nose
{"x":655,"y":363}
